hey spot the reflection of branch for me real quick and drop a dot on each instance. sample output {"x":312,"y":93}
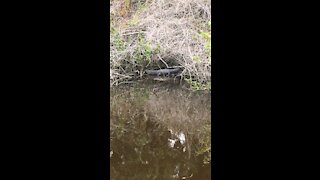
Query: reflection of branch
{"x":188,"y":177}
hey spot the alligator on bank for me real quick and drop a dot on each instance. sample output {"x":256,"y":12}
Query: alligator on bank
{"x":168,"y":71}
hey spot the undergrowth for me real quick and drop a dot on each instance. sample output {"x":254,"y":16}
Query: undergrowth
{"x":148,"y":34}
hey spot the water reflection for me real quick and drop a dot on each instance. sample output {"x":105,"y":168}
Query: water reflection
{"x":160,"y":131}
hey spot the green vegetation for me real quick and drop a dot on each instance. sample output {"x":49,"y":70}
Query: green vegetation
{"x":195,"y":85}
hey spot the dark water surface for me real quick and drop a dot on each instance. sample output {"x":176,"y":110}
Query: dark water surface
{"x":160,"y":130}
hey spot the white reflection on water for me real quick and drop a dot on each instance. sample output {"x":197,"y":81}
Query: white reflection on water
{"x":182,"y":137}
{"x":172,"y":142}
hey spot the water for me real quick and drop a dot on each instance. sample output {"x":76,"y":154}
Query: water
{"x":160,"y":131}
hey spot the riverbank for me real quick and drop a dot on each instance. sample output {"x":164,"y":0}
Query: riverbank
{"x":153,"y":34}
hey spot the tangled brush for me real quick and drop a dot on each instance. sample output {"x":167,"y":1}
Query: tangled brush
{"x":160,"y":33}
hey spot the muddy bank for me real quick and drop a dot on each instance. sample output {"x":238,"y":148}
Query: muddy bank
{"x":160,"y":130}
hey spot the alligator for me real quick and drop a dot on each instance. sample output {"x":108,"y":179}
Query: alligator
{"x":168,"y":71}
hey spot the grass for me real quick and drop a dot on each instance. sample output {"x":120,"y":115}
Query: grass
{"x":156,"y":33}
